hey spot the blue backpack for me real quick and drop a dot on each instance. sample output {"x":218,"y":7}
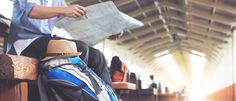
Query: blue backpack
{"x":70,"y":79}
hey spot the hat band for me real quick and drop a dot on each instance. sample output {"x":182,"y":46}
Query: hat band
{"x":58,"y":54}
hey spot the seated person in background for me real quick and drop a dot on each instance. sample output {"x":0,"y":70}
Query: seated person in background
{"x":96,"y":59}
{"x":119,"y":70}
{"x":153,"y":83}
{"x":166,"y":90}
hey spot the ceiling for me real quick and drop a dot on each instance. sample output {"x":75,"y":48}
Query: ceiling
{"x":175,"y":25}
{"x":201,"y":25}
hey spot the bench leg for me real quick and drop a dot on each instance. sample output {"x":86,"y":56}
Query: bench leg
{"x":13,"y":90}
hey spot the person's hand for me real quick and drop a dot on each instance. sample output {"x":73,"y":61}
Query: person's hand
{"x":116,"y":36}
{"x":74,"y":11}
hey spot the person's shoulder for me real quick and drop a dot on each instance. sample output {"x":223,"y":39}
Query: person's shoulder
{"x":154,"y":81}
{"x":124,"y":64}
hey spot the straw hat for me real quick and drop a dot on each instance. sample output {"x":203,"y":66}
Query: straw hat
{"x":61,"y":49}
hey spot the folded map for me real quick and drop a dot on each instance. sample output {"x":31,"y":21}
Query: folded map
{"x":101,"y":21}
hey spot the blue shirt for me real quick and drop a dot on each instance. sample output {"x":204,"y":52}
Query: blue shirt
{"x":24,"y":30}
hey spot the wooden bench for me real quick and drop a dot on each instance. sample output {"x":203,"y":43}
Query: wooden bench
{"x":123,"y":85}
{"x":15,"y":71}
{"x":167,"y":97}
{"x":124,"y":90}
{"x":143,"y":95}
{"x":147,"y":95}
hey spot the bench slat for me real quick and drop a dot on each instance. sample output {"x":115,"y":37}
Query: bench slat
{"x":13,"y":67}
{"x":123,"y":85}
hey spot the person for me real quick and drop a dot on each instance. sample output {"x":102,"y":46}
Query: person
{"x":152,"y":82}
{"x":33,"y":21}
{"x":166,"y":90}
{"x":183,"y":91}
{"x":30,"y":31}
{"x":159,"y":90}
{"x":118,"y":69}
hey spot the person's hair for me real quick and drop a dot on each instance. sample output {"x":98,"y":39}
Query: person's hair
{"x":151,"y":77}
{"x":115,"y":65}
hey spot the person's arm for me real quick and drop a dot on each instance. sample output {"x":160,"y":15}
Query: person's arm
{"x":125,"y":73}
{"x":26,"y":10}
{"x":43,"y":12}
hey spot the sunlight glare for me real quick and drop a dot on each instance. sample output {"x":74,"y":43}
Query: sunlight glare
{"x":170,"y":65}
{"x":197,"y":69}
{"x":6,"y":8}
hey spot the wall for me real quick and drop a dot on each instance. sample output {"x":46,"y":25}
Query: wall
{"x":220,"y":81}
{"x":225,"y":94}
{"x":234,"y":63}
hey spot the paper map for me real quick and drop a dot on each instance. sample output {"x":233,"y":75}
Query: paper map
{"x":100,"y":21}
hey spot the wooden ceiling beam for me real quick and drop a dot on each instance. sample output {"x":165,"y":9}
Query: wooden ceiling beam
{"x":120,"y":3}
{"x":209,"y":53}
{"x":182,"y":47}
{"x":153,"y":28}
{"x":216,"y":18}
{"x":150,"y":56}
{"x":200,"y":48}
{"x":140,"y":41}
{"x":143,"y":10}
{"x":141,"y":48}
{"x":191,"y":33}
{"x":192,"y":30}
{"x":197,"y":23}
{"x":227,"y":32}
{"x":188,"y":49}
{"x":148,"y":20}
{"x":209,"y":34}
{"x":160,"y":45}
{"x":158,"y":49}
{"x":198,"y":13}
{"x":204,"y":39}
{"x":211,"y":47}
{"x":217,"y":5}
{"x":213,"y":50}
{"x":193,"y":12}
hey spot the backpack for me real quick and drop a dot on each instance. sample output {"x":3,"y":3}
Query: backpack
{"x":70,"y":79}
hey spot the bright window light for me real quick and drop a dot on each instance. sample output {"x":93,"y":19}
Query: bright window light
{"x":6,"y":8}
{"x":99,"y":46}
{"x":170,"y":65}
{"x":197,"y":69}
{"x":198,"y":53}
{"x":162,"y":53}
{"x":60,"y":32}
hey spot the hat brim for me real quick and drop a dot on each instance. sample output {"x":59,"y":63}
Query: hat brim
{"x":60,"y":56}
